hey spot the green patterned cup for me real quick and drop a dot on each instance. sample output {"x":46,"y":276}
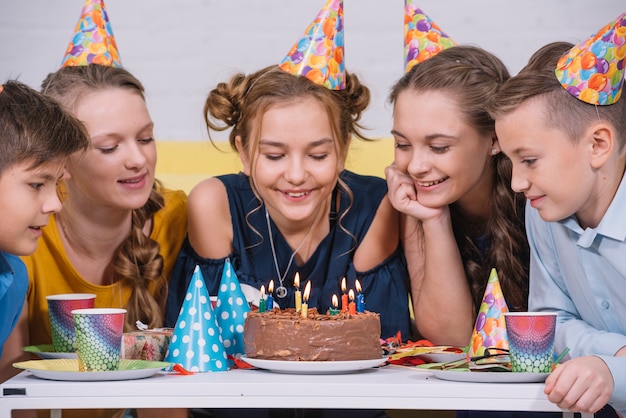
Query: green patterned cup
{"x":98,"y":338}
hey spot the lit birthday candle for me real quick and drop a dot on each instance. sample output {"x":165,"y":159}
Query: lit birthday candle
{"x":305,"y":300}
{"x":262,"y":301}
{"x":344,"y":296}
{"x":360,"y":298}
{"x":270,"y":298}
{"x":335,"y":308}
{"x":297,"y":293}
{"x":352,"y":305}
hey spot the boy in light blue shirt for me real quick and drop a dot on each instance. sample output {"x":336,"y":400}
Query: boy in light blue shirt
{"x":563,"y":124}
{"x":36,"y":135}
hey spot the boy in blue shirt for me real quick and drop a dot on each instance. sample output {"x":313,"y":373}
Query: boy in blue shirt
{"x":562,"y":123}
{"x":36,"y":135}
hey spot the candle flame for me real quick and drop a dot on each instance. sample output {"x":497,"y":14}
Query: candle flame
{"x":270,"y":287}
{"x":351,"y":294}
{"x":307,"y":291}
{"x":357,"y":284}
{"x":296,"y":280}
{"x":343,"y":285}
{"x":262,"y":290}
{"x":335,"y":301}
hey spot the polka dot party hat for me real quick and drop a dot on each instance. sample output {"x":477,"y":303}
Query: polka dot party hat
{"x":490,"y":328}
{"x":93,"y":41}
{"x":593,"y":71}
{"x":423,"y":38}
{"x":196,"y":343}
{"x":231,"y":310}
{"x":318,"y":55}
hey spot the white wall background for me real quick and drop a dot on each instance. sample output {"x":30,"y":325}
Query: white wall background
{"x":181,"y":48}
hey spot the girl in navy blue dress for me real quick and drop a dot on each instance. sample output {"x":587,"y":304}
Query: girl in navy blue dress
{"x":294,"y":208}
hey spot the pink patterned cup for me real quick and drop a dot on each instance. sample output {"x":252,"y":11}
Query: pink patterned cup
{"x":60,"y":309}
{"x":531,"y":340}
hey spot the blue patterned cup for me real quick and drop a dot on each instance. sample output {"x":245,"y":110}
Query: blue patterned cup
{"x":98,"y":338}
{"x":531,"y":340}
{"x":60,"y":309}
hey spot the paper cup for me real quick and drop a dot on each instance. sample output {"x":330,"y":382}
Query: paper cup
{"x":531,"y":340}
{"x":60,"y":309}
{"x":98,"y":338}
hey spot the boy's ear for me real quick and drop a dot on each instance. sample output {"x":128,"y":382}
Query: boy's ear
{"x":604,"y":143}
{"x":243,"y":156}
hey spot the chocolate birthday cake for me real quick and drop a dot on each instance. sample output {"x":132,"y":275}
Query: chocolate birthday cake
{"x":285,"y":335}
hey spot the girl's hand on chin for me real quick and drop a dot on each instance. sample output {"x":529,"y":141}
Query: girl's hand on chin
{"x":403,"y":196}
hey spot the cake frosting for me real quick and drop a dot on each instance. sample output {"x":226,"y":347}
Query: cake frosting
{"x":285,"y":335}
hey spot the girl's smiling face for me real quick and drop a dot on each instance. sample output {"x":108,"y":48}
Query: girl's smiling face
{"x":295,"y":164}
{"x":118,"y":169}
{"x":447,"y":158}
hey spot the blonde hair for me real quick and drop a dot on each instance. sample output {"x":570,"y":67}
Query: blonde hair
{"x":137,"y":261}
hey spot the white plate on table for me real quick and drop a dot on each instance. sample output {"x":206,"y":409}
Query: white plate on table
{"x":435,"y":354}
{"x":441,"y":357}
{"x":67,"y":369}
{"x":464,"y":375}
{"x":46,"y":352}
{"x":313,"y":367}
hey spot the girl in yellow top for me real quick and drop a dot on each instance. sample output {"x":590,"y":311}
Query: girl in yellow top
{"x":119,"y":232}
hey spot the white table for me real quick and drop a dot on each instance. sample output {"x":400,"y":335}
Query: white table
{"x":391,"y":387}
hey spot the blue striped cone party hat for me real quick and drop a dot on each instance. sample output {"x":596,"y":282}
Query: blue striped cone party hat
{"x":593,"y":71}
{"x":196,"y":342}
{"x":490,"y":328}
{"x":319,"y":54}
{"x":93,"y":41}
{"x":231,"y":310}
{"x":423,"y":38}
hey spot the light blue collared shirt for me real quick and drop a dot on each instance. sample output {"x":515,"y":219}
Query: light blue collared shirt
{"x":581,"y":274}
{"x":13,"y":286}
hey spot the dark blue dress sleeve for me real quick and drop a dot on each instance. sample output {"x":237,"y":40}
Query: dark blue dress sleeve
{"x":385,"y":290}
{"x":185,"y":265}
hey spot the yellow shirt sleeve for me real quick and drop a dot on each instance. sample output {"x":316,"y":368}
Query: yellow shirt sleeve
{"x":50,"y":271}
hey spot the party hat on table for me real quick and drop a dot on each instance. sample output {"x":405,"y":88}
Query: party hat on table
{"x":231,"y":310}
{"x":490,"y":329}
{"x":93,"y":41}
{"x":196,"y":343}
{"x":318,"y":55}
{"x":423,"y":38}
{"x":593,"y":71}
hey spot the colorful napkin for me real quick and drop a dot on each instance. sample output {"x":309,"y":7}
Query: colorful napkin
{"x":196,"y":343}
{"x":593,"y":71}
{"x":318,"y":55}
{"x":231,"y":310}
{"x":490,"y":329}
{"x":93,"y":41}
{"x":423,"y":38}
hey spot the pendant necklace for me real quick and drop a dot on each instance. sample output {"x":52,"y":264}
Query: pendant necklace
{"x":281,"y":290}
